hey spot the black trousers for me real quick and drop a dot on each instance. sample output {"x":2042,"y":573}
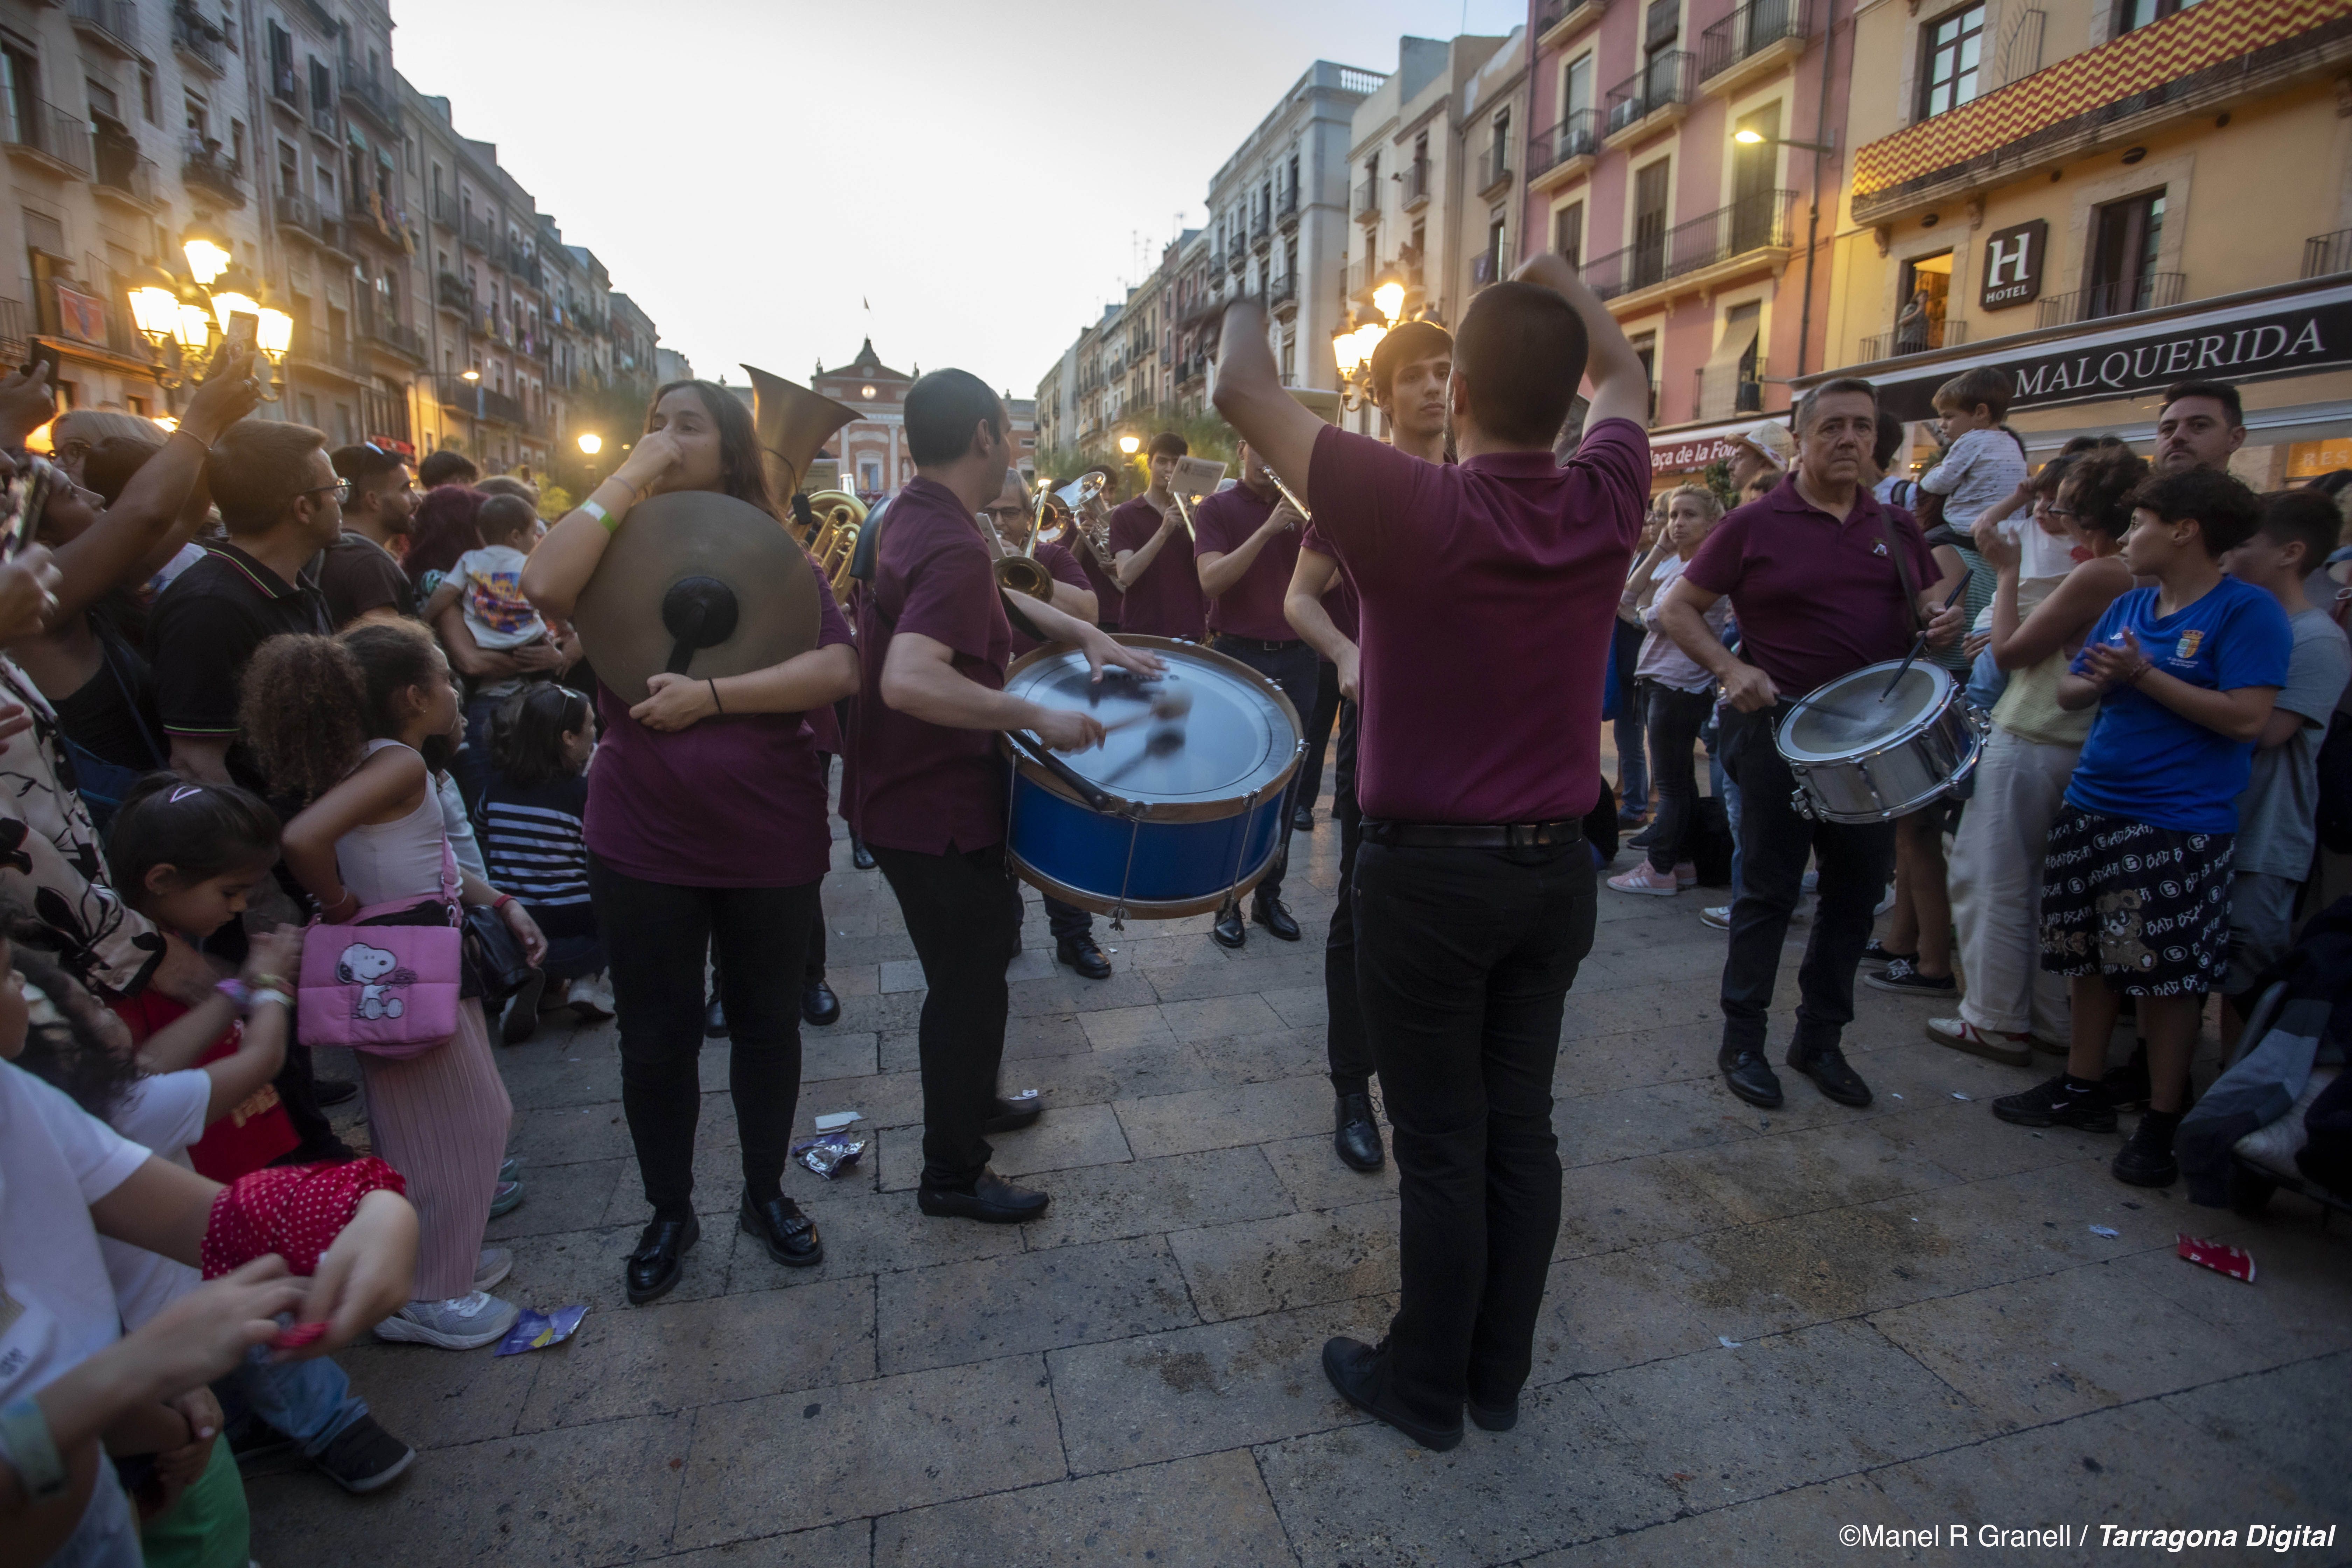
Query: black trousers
{"x":659,"y":935}
{"x":1466,"y":959}
{"x":1318,"y":732}
{"x":1854,"y":862}
{"x":1350,"y":1054}
{"x":1290,"y":666}
{"x":1672,"y":720}
{"x":963,"y":914}
{"x":1067,"y":921}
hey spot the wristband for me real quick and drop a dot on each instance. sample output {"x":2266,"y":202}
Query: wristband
{"x":501,"y":901}
{"x":264,"y":996}
{"x":595,"y":508}
{"x":32,"y":1449}
{"x":271,"y":983}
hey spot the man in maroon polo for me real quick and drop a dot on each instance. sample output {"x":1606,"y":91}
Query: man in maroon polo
{"x":1486,"y":595}
{"x":1820,"y":592}
{"x":933,"y":643}
{"x":1160,"y":590}
{"x":1247,"y":544}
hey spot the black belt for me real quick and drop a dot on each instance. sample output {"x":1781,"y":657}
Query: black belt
{"x":1261,"y":645}
{"x":1473,"y":835}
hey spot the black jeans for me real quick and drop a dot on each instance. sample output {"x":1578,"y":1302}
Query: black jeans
{"x":1855,"y":862}
{"x":1467,"y":955}
{"x":659,"y":935}
{"x":1350,"y":1054}
{"x":1673,"y":719}
{"x":1633,"y":775}
{"x":1319,"y":733}
{"x":1291,"y":667}
{"x":963,"y":914}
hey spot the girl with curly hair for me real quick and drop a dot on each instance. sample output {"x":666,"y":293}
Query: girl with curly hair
{"x":356,"y":723}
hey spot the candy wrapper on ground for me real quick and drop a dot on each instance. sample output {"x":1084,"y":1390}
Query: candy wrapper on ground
{"x":829,"y":1154}
{"x":535,"y":1329}
{"x":2222,"y":1258}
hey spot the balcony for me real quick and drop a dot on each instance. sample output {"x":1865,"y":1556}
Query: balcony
{"x":2199,"y":59}
{"x":322,"y":226}
{"x":1416,"y":185}
{"x":442,"y":208}
{"x":319,"y":350}
{"x":452,"y":292}
{"x":198,"y":41}
{"x":2148,"y":291}
{"x":1735,"y":389}
{"x":112,"y":25}
{"x":1283,"y":293}
{"x":477,"y":232}
{"x":1759,"y":39}
{"x":1556,"y":20}
{"x":1286,"y":212}
{"x":1563,"y":152}
{"x":126,"y":179}
{"x":2325,"y":255}
{"x":323,"y":118}
{"x":12,"y":331}
{"x":1922,"y":337}
{"x":1236,"y":260}
{"x":286,"y":89}
{"x":1719,"y":244}
{"x":222,"y":178}
{"x":472,"y":397}
{"x":1656,"y":97}
{"x":1368,"y":202}
{"x":371,"y":98}
{"x":1493,"y":167}
{"x":48,"y":137}
{"x":401,"y":339}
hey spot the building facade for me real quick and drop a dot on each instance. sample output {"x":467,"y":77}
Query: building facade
{"x":2100,"y":197}
{"x":1684,"y":156}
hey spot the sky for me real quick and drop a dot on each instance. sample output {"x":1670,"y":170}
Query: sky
{"x":755,"y":173}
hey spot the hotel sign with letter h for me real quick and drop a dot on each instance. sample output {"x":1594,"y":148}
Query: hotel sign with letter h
{"x":2012,"y":265}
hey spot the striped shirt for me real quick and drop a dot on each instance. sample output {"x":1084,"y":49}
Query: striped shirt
{"x":534,"y":844}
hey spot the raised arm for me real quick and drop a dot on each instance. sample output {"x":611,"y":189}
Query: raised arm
{"x":1620,"y":385}
{"x":560,"y":566}
{"x":1249,"y":394}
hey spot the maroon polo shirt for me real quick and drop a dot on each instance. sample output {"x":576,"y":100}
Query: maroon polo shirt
{"x":1252,"y":606}
{"x":1488,"y":595}
{"x":1339,"y":596}
{"x":923,"y":786}
{"x":1057,"y":560}
{"x":1165,"y":602}
{"x":1816,"y":598}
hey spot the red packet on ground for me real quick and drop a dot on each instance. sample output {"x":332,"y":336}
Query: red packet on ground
{"x":2234,"y":1261}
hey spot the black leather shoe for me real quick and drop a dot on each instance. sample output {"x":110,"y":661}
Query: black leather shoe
{"x":660,"y":1257}
{"x":993,"y":1201}
{"x":1303,"y":820}
{"x":714,"y":1020}
{"x":1749,"y":1076}
{"x":789,"y":1235}
{"x":859,"y":856}
{"x":819,"y":1005}
{"x":1495,"y":1418}
{"x":1228,"y":930}
{"x":521,"y":1020}
{"x":332,"y":1090}
{"x":1274,"y":915}
{"x":1357,"y":1136}
{"x":1354,"y":1368}
{"x":1012,"y":1115}
{"x":1826,"y":1066}
{"x":1081,"y":953}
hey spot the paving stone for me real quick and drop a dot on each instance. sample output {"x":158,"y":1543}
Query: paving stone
{"x":1294,"y":1260}
{"x":1795,"y":1528}
{"x":1066,"y":1138}
{"x":1266,"y":966}
{"x":1210,"y":1018}
{"x":1101,"y":1076}
{"x":551,"y":1136}
{"x":1225,"y":1117}
{"x":2284,"y":1430}
{"x":1616,"y":1310}
{"x":1145,"y":1197}
{"x":1116,"y":1027}
{"x":1655,"y":1119}
{"x":1301,"y":1007}
{"x":1261,"y":1059}
{"x":1198,"y":1390}
{"x":678,"y":1355}
{"x":432,"y":1399}
{"x":891,"y":1444}
{"x":836,"y":1052}
{"x":1068,"y":992}
{"x":960,"y":1312}
{"x":865,"y":1232}
{"x":1212,"y":1509}
{"x":587,"y":1265}
{"x":1310,"y":1171}
{"x":563,"y":1197}
{"x":1806,"y":1168}
{"x":847,"y":1545}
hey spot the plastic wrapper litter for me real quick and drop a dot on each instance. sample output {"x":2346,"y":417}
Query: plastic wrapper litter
{"x":829,"y":1154}
{"x":535,"y":1329}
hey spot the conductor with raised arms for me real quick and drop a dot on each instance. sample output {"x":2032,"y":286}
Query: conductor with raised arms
{"x":1487,"y":592}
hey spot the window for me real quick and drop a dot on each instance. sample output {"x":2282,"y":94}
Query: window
{"x":23,"y":88}
{"x":148,"y":102}
{"x":101,"y":101}
{"x":1753,"y":206}
{"x":1645,"y":348}
{"x":322,"y":85}
{"x":200,"y":118}
{"x":1568,"y":233}
{"x":1497,"y":222}
{"x":2135,"y":14}
{"x":289,"y":172}
{"x":1650,"y":224}
{"x":1917,"y":331}
{"x":1576,"y":88}
{"x":2120,"y":274}
{"x":236,"y":143}
{"x":1949,"y":76}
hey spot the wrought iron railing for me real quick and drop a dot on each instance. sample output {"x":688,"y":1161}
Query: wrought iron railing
{"x":1757,"y":222}
{"x":1578,"y":135}
{"x":44,"y":128}
{"x":1749,"y":31}
{"x":1664,"y":81}
{"x":1924,"y":336}
{"x":2121,"y":297}
{"x":2324,"y":255}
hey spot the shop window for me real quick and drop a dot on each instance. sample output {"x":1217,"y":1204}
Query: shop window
{"x":1949,"y":76}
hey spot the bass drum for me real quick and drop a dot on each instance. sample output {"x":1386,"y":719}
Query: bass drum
{"x":1862,"y":754}
{"x":1186,"y":813}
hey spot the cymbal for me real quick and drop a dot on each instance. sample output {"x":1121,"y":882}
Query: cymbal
{"x":698,"y":582}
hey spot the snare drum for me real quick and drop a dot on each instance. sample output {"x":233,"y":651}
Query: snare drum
{"x":1859,"y":759}
{"x":1193,"y":806}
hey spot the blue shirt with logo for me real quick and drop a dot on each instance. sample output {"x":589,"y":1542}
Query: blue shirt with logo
{"x":2148,"y":763}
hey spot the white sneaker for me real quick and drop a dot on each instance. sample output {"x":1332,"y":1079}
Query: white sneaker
{"x":496,"y":1264}
{"x":1811,"y":882}
{"x":1885,"y":903}
{"x":460,"y":1323}
{"x":1716,"y":917}
{"x":591,"y":998}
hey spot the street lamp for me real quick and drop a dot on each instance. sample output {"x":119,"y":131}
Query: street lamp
{"x":591,"y":443}
{"x":178,"y":319}
{"x":469,"y":374}
{"x":1749,"y":138}
{"x":1388,"y":295}
{"x":1129,"y":445}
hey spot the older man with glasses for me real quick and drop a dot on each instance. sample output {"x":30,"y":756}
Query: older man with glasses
{"x":359,"y":573}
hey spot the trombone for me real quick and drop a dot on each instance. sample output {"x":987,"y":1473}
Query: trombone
{"x":1021,"y":573}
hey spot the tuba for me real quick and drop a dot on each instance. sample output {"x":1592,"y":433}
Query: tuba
{"x":1082,"y":501}
{"x":833,"y":542}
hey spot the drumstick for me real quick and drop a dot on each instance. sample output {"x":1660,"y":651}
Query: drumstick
{"x":1172,"y":704}
{"x":1919,"y":642}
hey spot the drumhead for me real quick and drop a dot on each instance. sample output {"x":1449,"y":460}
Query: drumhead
{"x":1240,"y":739}
{"x":1847,"y":718}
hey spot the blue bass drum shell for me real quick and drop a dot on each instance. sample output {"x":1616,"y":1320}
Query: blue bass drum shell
{"x":1189,"y":827}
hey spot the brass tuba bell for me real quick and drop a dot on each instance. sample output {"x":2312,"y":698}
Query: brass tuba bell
{"x":793,"y":424}
{"x":833,"y":542}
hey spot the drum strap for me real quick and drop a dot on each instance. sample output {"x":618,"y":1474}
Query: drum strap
{"x":1895,"y":547}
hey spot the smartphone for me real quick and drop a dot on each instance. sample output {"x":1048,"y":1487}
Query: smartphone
{"x":34,"y":485}
{"x":44,"y":354}
{"x":245,"y":326}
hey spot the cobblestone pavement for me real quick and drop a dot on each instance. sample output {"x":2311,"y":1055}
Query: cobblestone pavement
{"x":1759,"y":1328}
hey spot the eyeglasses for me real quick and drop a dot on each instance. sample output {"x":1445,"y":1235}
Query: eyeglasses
{"x":342,"y":489}
{"x":1005,"y":513}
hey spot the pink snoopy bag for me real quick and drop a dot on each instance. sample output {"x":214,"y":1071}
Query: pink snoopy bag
{"x":387,"y":990}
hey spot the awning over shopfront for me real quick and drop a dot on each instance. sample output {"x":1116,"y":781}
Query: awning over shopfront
{"x":1690,"y":450}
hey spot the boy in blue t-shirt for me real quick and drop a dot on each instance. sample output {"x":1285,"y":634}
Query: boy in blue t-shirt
{"x":2136,"y":885}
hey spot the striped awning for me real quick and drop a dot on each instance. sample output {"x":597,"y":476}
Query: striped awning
{"x":2204,"y":35}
